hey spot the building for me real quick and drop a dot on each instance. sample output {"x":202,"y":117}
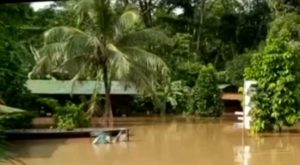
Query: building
{"x":121,"y":93}
{"x":231,"y":98}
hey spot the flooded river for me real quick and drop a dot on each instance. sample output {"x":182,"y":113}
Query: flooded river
{"x":168,"y":143}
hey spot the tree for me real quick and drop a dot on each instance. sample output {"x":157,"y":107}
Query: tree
{"x":109,"y":47}
{"x":206,"y":98}
{"x":235,"y":69}
{"x":14,"y":57}
{"x":221,"y":29}
{"x":276,"y":69}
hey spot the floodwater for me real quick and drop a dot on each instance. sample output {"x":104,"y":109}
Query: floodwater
{"x":197,"y":142}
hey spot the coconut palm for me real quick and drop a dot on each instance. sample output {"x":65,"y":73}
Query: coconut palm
{"x":110,"y":47}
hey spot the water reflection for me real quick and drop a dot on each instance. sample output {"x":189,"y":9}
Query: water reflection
{"x":169,"y":143}
{"x":242,"y":155}
{"x":281,"y":149}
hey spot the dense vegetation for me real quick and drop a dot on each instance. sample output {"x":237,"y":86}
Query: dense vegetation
{"x":176,"y":52}
{"x":276,"y":69}
{"x":206,"y":96}
{"x":68,"y":116}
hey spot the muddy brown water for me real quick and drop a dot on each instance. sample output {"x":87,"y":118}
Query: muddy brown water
{"x":171,"y":142}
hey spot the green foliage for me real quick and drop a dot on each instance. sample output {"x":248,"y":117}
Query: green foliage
{"x":15,"y":59}
{"x":53,"y":103}
{"x":6,"y":114}
{"x":189,"y":72}
{"x":183,"y":100}
{"x":276,"y":69}
{"x":168,"y":96}
{"x":111,"y":39}
{"x":235,"y":69}
{"x":17,"y":121}
{"x":286,"y":5}
{"x":223,"y":77}
{"x":142,"y":105}
{"x":220,"y":30}
{"x":12,"y":74}
{"x":206,"y":97}
{"x":4,"y":153}
{"x":71,"y":116}
{"x":180,"y":58}
{"x":180,"y":50}
{"x":105,"y":46}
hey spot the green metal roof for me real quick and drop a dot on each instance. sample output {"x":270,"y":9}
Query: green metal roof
{"x":79,"y":88}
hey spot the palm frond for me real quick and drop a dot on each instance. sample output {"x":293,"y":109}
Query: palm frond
{"x":129,"y":19}
{"x":98,"y":12}
{"x":145,"y":69}
{"x":143,"y":38}
{"x":79,"y":45}
{"x":75,"y":67}
{"x":82,"y":9}
{"x":47,"y":59}
{"x":66,"y":41}
{"x":119,"y":63}
{"x":146,"y":60}
{"x":54,"y":51}
{"x":172,"y":101}
{"x":41,"y":69}
{"x":9,"y":110}
{"x":127,"y":22}
{"x":60,"y":34}
{"x":143,"y":82}
{"x":65,"y":50}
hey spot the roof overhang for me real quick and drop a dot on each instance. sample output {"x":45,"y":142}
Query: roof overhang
{"x":57,"y":87}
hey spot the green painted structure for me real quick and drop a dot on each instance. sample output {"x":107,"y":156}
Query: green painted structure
{"x":57,"y":87}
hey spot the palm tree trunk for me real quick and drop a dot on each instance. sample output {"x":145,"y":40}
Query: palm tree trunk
{"x":146,"y":9}
{"x":108,"y":114}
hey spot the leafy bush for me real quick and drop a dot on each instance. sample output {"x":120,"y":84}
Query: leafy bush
{"x":276,"y":69}
{"x":71,"y":116}
{"x":14,"y":65}
{"x":235,"y":69}
{"x":222,"y":77}
{"x":170,"y":98}
{"x":17,"y":121}
{"x":183,"y":101}
{"x":189,"y":72}
{"x":275,"y":101}
{"x":3,"y":147}
{"x":47,"y":105}
{"x":206,"y":97}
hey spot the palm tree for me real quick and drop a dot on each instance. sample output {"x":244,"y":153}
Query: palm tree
{"x":110,"y":47}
